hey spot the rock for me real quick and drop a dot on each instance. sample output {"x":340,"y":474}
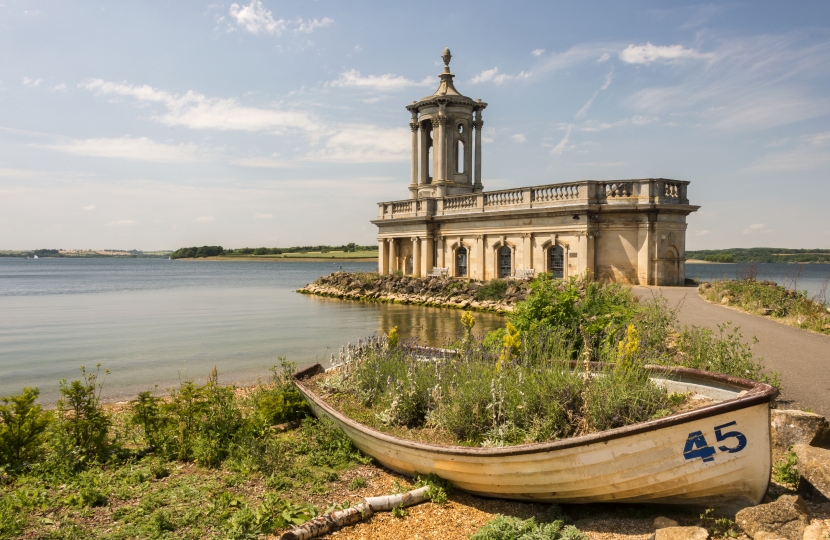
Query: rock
{"x":792,"y":427}
{"x":764,"y":535}
{"x":814,"y":470}
{"x":786,"y":518}
{"x":725,"y":300}
{"x":661,"y":522}
{"x":681,"y":533}
{"x":816,"y":531}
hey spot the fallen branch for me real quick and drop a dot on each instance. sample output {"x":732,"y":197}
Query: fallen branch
{"x":349,"y":516}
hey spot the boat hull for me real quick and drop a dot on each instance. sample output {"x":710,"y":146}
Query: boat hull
{"x":718,"y":455}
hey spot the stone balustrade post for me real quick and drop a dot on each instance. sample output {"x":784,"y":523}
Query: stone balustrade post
{"x":527,"y":194}
{"x":480,"y":201}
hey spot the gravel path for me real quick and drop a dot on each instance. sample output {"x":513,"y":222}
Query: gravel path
{"x":801,"y":357}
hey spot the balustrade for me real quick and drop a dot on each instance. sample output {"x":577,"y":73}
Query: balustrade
{"x":612,"y":190}
{"x":403,"y":207}
{"x":460,"y":202}
{"x":671,"y":190}
{"x":504,"y":198}
{"x":561,"y":192}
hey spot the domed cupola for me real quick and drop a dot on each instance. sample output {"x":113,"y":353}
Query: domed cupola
{"x":442,"y":164}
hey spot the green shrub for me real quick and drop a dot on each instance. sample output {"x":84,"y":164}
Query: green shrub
{"x":22,"y":428}
{"x":492,"y":290}
{"x":512,"y":528}
{"x":786,"y":471}
{"x":83,"y":425}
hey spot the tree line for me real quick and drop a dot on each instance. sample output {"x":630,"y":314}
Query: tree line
{"x":760,"y":255}
{"x":214,"y":251}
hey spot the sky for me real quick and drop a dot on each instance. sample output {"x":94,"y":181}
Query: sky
{"x":155,"y":125}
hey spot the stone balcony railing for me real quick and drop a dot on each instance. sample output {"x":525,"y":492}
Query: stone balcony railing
{"x":584,"y":192}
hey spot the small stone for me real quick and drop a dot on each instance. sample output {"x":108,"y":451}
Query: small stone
{"x":816,"y":531}
{"x":792,"y":427}
{"x":681,"y":533}
{"x":661,"y":522}
{"x":764,"y":535}
{"x":725,"y":300}
{"x":786,"y":518}
{"x":814,"y":470}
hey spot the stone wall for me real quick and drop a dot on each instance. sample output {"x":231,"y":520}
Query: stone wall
{"x":429,"y":291}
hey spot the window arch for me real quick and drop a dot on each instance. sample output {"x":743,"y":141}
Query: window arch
{"x":505,"y":261}
{"x":556,"y":261}
{"x":461,"y":260}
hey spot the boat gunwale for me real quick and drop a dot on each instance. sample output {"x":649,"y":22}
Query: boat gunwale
{"x":757,"y":393}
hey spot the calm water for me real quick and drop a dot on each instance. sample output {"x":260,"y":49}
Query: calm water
{"x":803,"y":277}
{"x":151,"y":321}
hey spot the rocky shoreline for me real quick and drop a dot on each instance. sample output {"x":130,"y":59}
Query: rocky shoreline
{"x":498,"y":296}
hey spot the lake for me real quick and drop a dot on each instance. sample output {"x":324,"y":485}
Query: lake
{"x":152,"y":321}
{"x":802,"y":277}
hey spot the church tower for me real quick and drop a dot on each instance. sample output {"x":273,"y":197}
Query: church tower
{"x":444,"y":148}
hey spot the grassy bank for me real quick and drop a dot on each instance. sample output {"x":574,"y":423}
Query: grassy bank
{"x":769,"y":299}
{"x":761,"y":255}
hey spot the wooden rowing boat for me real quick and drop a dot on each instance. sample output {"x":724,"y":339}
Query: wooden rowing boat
{"x":715,"y":456}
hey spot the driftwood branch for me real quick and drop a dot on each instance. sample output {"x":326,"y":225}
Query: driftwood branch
{"x":349,"y":516}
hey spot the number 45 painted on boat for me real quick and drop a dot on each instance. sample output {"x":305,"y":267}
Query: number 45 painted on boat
{"x":697,"y":447}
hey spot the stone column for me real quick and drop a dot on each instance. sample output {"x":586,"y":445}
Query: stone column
{"x":416,"y":257}
{"x":440,"y":263}
{"x":439,"y":147}
{"x":393,"y":257}
{"x":644,"y":262}
{"x":424,"y":156}
{"x":427,"y":263}
{"x":478,"y":125}
{"x":383,"y":259}
{"x":480,"y":259}
{"x":527,"y":250}
{"x":413,"y":184}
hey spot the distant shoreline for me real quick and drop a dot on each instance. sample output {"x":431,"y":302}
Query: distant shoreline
{"x":283,"y":259}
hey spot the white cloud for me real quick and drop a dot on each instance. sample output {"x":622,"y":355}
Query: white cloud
{"x":197,"y":111}
{"x":812,"y":152}
{"x":493,"y":75}
{"x":90,"y":207}
{"x":130,"y":148}
{"x":747,"y":84}
{"x":353,"y":78}
{"x":256,"y":18}
{"x":31,"y":83}
{"x":703,"y":232}
{"x":519,"y":138}
{"x":365,"y":144}
{"x":604,"y":57}
{"x":264,"y":162}
{"x":538,"y":52}
{"x":608,"y":78}
{"x":263,"y":216}
{"x":18,"y":173}
{"x":312,"y":24}
{"x":204,"y":219}
{"x":648,"y":53}
{"x":559,"y":148}
{"x":122,"y":222}
{"x":59,"y":87}
{"x":756,"y":228}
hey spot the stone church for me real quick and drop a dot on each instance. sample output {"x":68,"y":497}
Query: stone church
{"x":629,"y":231}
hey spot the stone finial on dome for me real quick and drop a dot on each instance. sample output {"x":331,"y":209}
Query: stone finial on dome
{"x":446,"y":57}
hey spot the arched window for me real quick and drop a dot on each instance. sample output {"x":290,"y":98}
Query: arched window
{"x":461,"y":262}
{"x":505,"y":261}
{"x":459,"y":159}
{"x":556,"y":261}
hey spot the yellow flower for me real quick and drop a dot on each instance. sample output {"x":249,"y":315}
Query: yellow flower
{"x":392,"y":339}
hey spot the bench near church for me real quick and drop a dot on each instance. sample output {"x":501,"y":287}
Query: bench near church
{"x":629,"y":231}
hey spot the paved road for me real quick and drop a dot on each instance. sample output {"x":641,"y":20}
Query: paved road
{"x":801,"y":358}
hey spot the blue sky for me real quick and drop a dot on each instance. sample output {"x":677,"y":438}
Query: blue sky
{"x":156,"y":125}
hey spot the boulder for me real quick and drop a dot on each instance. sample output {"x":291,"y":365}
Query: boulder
{"x":814,"y":472}
{"x":661,"y":522}
{"x":786,"y":518}
{"x":681,"y":533}
{"x":792,"y":427}
{"x":817,"y":531}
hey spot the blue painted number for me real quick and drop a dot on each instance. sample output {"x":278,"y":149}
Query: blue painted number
{"x":736,"y":434}
{"x":697,"y":447}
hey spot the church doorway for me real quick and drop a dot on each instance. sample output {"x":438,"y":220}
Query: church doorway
{"x":556,"y":261}
{"x":505,"y":261}
{"x":461,"y":262}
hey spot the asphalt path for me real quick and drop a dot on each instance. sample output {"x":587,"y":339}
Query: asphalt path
{"x":801,"y":357}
